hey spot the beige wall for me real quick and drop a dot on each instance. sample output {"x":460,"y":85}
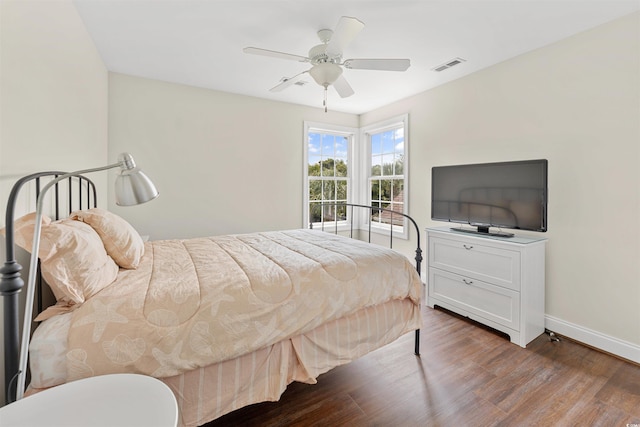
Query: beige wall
{"x":577,"y":104}
{"x":53,"y":98}
{"x":223,"y":163}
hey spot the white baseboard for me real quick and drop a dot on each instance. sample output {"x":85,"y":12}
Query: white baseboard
{"x":615,"y":346}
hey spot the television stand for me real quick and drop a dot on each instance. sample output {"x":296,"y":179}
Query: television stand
{"x":497,"y":282}
{"x":481,"y":232}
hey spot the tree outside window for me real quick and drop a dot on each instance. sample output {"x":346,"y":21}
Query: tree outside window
{"x":366,"y":166}
{"x":328,"y":175}
{"x":386,"y":179}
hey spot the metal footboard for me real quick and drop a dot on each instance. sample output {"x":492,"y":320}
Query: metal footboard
{"x":392,"y":213}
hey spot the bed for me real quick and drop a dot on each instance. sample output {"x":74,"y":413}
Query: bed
{"x":224,"y":321}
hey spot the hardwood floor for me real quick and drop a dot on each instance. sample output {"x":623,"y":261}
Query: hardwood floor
{"x":466,"y":376}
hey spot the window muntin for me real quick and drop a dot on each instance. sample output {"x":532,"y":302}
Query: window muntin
{"x":367,"y":166}
{"x":386,"y":177}
{"x":328,"y":172}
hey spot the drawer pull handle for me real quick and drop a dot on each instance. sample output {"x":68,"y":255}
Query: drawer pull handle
{"x":467,"y":282}
{"x":467,"y":247}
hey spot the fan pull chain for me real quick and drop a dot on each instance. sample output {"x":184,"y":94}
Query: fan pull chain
{"x":325,"y":99}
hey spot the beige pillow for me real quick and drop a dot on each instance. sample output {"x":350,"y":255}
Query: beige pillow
{"x":121,"y":240}
{"x":23,"y":229}
{"x":73,"y":259}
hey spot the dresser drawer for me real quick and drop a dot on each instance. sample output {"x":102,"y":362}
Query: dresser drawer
{"x":483,"y":262}
{"x":488,"y":301}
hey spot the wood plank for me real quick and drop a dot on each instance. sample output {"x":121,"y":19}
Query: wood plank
{"x":467,"y":375}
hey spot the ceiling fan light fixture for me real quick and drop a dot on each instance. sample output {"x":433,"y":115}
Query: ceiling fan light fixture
{"x":326,"y":59}
{"x":325,"y":73}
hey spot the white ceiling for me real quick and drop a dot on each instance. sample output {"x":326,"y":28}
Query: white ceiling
{"x":200,"y":43}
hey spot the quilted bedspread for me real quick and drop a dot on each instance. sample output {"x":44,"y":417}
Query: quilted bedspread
{"x":191,"y":303}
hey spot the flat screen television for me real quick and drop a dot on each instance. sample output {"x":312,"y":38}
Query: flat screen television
{"x":511,"y":195}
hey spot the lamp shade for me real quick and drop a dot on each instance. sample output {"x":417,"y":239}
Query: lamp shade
{"x":133,"y":187}
{"x":325,"y":73}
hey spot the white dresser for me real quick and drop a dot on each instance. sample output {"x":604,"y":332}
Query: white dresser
{"x":496,"y":281}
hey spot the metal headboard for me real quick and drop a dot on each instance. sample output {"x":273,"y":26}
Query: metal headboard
{"x":418,"y":250}
{"x":81,"y":193}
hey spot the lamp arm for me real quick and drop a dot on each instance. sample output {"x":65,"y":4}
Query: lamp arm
{"x":33,"y":266}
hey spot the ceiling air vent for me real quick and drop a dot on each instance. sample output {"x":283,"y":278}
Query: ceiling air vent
{"x":449,"y":64}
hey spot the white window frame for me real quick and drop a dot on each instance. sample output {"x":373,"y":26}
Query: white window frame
{"x":364,"y":161}
{"x":352,"y":135}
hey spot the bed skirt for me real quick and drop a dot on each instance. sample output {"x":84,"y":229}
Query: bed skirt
{"x":207,"y":393}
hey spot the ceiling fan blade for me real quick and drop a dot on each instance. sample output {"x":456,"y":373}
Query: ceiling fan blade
{"x":274,"y":54}
{"x":287,"y":82}
{"x":343,"y":87}
{"x":346,"y":30}
{"x":377,"y":64}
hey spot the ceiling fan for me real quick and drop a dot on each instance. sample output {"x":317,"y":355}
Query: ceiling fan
{"x":326,"y":59}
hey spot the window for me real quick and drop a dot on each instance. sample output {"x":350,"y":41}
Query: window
{"x":387,"y":166}
{"x":363,"y":166}
{"x":328,"y":172}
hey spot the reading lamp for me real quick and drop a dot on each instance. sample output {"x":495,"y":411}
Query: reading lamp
{"x":133,"y":187}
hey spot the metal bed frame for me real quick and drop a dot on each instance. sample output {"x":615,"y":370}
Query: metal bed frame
{"x":350,"y":220}
{"x":11,"y":282}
